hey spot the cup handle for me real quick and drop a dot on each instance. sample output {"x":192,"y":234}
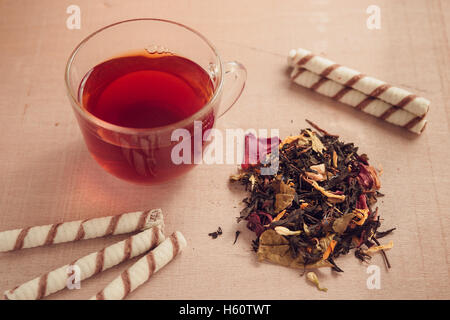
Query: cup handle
{"x":235,"y":75}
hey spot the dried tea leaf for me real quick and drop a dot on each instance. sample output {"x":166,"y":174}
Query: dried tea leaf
{"x":271,"y":238}
{"x":275,"y":248}
{"x":285,"y":188}
{"x":284,"y":198}
{"x":311,"y":276}
{"x":341,"y":223}
{"x":322,"y":131}
{"x":236,"y":236}
{"x":282,"y":201}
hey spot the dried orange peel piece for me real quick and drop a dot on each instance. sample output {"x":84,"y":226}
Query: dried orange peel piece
{"x":332,"y":197}
{"x":279,"y":216}
{"x":329,"y":249}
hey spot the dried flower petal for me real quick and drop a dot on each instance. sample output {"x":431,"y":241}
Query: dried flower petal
{"x":362,"y":202}
{"x":335,"y":159}
{"x":311,"y":276}
{"x":252,"y":180}
{"x":362,"y":215}
{"x":306,"y":229}
{"x":290,"y":139}
{"x":332,"y":197}
{"x":257,"y":149}
{"x":374,"y":249}
{"x":329,"y":249}
{"x":256,"y":221}
{"x":368,"y":178}
{"x":321,"y":174}
{"x":283,"y":231}
{"x":324,"y":242}
{"x":316,"y":144}
{"x":341,"y":223}
{"x":279,"y":216}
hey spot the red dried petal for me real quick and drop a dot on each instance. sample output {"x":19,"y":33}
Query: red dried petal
{"x":362,"y":202}
{"x":257,"y":149}
{"x":368,"y":178}
{"x":257,"y":220}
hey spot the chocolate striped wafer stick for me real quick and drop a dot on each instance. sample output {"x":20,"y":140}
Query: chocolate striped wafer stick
{"x":77,"y":230}
{"x":360,"y":101}
{"x":89,"y":265}
{"x":370,"y":86}
{"x":143,"y":269}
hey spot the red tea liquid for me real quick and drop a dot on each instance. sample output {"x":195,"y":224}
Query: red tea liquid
{"x":141,"y":91}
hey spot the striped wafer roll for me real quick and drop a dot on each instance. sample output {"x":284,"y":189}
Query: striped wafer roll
{"x":77,"y":230}
{"x":355,"y":98}
{"x":89,"y":265}
{"x":143,"y":269}
{"x":394,"y":96}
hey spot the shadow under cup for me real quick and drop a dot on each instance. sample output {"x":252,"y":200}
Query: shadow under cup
{"x":144,"y":155}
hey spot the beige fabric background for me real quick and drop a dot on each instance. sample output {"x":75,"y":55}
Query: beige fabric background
{"x":47,"y":174}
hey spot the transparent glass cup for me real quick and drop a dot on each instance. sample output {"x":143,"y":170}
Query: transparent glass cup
{"x":144,"y":155}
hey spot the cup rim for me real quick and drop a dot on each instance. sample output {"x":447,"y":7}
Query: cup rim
{"x":142,"y":131}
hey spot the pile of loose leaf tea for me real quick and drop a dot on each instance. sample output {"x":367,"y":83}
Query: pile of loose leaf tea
{"x":318,"y":206}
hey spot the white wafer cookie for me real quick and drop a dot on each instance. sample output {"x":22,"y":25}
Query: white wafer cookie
{"x":143,"y":269}
{"x":89,"y":265}
{"x":77,"y":230}
{"x":355,"y":98}
{"x":370,"y":86}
